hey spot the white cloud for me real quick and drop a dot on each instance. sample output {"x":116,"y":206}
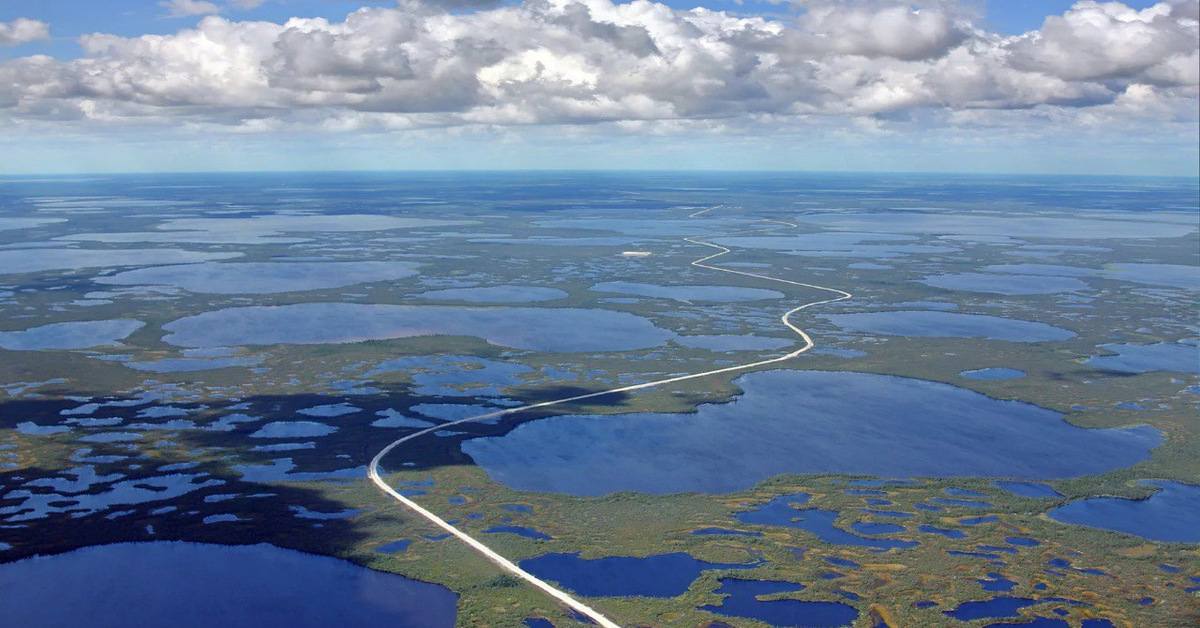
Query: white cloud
{"x":1109,"y":40}
{"x":593,"y":61}
{"x":23,"y":30}
{"x":186,"y":8}
{"x":900,"y":30}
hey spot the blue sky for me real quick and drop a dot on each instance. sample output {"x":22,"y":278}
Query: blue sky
{"x":940,"y":85}
{"x":1013,"y":17}
{"x":130,"y":18}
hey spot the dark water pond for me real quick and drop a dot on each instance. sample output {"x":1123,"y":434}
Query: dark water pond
{"x":742,"y":601}
{"x":664,"y":575}
{"x":1171,"y":515}
{"x":194,"y":585}
{"x":999,"y":606}
{"x":1047,"y":622}
{"x":996,"y":582}
{"x":724,"y":531}
{"x":527,"y":532}
{"x":1029,"y":489}
{"x":394,"y":547}
{"x":993,"y":374}
{"x":1038,"y":622}
{"x":950,"y":534}
{"x":781,"y":512}
{"x":875,"y":528}
{"x":961,"y":503}
{"x":806,"y":422}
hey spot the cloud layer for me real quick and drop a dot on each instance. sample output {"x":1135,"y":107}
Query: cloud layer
{"x":588,"y":61}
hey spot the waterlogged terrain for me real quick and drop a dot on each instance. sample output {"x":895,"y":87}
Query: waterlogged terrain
{"x":998,"y":427}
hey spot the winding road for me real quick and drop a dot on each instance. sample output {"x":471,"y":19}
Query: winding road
{"x":509,"y":566}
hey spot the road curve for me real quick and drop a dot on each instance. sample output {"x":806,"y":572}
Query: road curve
{"x":509,"y":566}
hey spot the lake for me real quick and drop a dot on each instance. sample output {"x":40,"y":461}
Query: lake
{"x":806,"y":422}
{"x":197,"y":585}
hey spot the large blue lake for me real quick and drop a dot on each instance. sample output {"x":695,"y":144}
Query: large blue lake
{"x":263,"y":278}
{"x":806,"y":422}
{"x":187,"y":585}
{"x":1178,"y":357}
{"x":948,"y":325}
{"x":1171,"y":514}
{"x":1005,"y":284}
{"x":73,"y":335}
{"x":539,"y":329}
{"x":708,"y":294}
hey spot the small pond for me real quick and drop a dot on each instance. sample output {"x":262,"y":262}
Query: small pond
{"x":742,"y":601}
{"x":522,"y":531}
{"x":664,"y":575}
{"x":782,"y":512}
{"x":1029,"y":489}
{"x":993,"y":374}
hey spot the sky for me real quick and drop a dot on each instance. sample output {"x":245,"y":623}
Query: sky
{"x":1002,"y":86}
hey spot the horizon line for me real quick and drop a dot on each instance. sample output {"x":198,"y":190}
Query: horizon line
{"x":648,"y":171}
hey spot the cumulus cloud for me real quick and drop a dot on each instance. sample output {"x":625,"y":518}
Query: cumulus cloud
{"x":879,"y":29}
{"x":593,"y":61}
{"x":1109,"y":40}
{"x":22,"y":30}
